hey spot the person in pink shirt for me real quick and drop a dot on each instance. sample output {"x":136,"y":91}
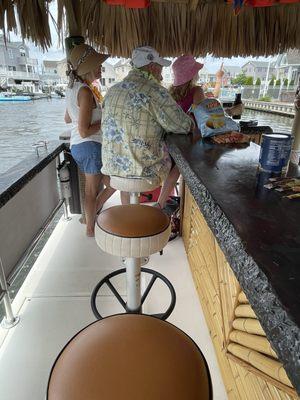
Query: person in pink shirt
{"x":186,"y":74}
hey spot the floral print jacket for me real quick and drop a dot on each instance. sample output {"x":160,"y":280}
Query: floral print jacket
{"x":136,"y":113}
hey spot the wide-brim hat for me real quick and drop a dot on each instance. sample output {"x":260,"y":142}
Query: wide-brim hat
{"x":184,"y":69}
{"x":85,"y":59}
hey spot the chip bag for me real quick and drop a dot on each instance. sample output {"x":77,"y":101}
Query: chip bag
{"x":211,"y":119}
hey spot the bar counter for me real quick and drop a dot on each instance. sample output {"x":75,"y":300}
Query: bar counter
{"x":243,"y":247}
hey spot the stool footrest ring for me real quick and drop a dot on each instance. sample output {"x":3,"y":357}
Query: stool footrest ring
{"x":155,"y":275}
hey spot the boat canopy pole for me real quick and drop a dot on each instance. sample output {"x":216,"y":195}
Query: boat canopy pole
{"x":296,"y":128}
{"x":10,"y":320}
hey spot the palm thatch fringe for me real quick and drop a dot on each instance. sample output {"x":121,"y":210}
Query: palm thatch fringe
{"x":172,"y":27}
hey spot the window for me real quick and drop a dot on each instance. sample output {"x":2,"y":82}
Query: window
{"x":22,"y":52}
{"x":10,"y":53}
{"x":55,"y":71}
{"x":103,"y":69}
{"x":103,"y":81}
{"x":12,"y":68}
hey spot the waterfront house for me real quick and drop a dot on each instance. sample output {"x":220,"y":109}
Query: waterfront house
{"x":288,"y":66}
{"x":109,"y":75}
{"x":259,"y":69}
{"x":16,"y":66}
{"x":122,"y":68}
{"x":231,"y":72}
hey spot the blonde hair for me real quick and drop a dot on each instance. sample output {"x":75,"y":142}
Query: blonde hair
{"x":180,"y":92}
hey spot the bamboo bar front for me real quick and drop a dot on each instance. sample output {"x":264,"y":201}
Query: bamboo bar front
{"x":249,"y":366}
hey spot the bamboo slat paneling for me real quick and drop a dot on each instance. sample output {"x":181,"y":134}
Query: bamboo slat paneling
{"x":249,"y":366}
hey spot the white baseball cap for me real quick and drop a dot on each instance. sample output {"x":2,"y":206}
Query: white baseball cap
{"x":146,"y":55}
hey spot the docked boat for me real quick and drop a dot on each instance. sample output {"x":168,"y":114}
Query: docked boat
{"x":12,"y":98}
{"x":228,"y":287}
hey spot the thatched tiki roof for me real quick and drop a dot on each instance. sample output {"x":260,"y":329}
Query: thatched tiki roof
{"x":173,"y":27}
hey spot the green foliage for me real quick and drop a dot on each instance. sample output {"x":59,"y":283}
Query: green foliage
{"x":285,"y":82}
{"x":292,"y":83}
{"x":265,"y":98}
{"x":278,"y":82}
{"x":258,"y":82}
{"x":249,"y":81}
{"x":272,"y":81}
{"x":240,"y":79}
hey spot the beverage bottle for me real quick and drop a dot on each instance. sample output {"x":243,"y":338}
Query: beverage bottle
{"x":237,"y":101}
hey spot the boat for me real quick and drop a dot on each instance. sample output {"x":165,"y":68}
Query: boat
{"x":235,"y":269}
{"x":13,"y":98}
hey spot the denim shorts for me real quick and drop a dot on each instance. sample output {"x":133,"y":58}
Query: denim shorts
{"x":88,"y":157}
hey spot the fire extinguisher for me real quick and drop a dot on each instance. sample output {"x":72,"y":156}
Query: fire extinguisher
{"x":65,"y":187}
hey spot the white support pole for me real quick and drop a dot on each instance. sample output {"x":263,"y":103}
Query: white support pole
{"x":133,"y":280}
{"x":295,"y":155}
{"x":134,"y":198}
{"x":10,"y":320}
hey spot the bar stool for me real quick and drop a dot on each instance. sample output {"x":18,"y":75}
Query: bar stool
{"x":130,"y":357}
{"x":133,"y":231}
{"x":134,"y":186}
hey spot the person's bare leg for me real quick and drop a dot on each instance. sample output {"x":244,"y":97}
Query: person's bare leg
{"x":125,"y":198}
{"x":105,"y":194}
{"x":168,"y":186}
{"x":92,"y":183}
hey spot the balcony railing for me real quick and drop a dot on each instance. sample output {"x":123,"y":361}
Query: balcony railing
{"x":21,"y":75}
{"x":27,"y":61}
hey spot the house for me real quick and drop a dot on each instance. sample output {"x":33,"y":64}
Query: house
{"x":288,"y":66}
{"x":16,"y":66}
{"x":259,"y":69}
{"x":122,"y":68}
{"x":109,"y":76}
{"x":231,"y":72}
{"x":50,"y":75}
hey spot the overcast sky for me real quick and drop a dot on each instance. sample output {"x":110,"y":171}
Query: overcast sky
{"x":56,"y":52}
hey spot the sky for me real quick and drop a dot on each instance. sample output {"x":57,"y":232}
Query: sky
{"x":56,"y":52}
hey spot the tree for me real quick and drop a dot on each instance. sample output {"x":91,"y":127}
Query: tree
{"x":239,"y":79}
{"x":278,"y":82}
{"x":272,"y":81}
{"x":285,"y":82}
{"x":249,"y":81}
{"x":258,"y":82}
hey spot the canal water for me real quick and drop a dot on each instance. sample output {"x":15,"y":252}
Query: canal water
{"x":23,"y":124}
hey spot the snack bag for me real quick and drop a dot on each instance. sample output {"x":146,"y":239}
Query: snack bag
{"x":211,"y":119}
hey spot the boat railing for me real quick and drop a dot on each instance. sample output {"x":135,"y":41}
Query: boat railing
{"x":30,"y":196}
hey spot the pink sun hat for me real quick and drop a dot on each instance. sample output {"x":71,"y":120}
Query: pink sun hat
{"x":184,"y":69}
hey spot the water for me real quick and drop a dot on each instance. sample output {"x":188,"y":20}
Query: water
{"x":22,"y":124}
{"x":277,"y":122}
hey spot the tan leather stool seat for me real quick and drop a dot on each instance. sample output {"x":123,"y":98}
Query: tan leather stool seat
{"x":134,"y":184}
{"x":130,"y":357}
{"x":133,"y":230}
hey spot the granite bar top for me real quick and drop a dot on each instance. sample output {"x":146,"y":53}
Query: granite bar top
{"x":13,"y":180}
{"x":258,"y":231}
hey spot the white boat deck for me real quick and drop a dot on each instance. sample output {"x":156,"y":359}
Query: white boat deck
{"x":54,"y":304}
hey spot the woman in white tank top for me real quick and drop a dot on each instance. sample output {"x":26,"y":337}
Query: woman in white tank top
{"x":84,"y":113}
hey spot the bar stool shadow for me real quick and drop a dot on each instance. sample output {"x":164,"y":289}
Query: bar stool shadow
{"x":133,"y":232}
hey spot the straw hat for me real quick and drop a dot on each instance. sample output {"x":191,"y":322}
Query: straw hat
{"x":184,"y":69}
{"x":85,"y":59}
